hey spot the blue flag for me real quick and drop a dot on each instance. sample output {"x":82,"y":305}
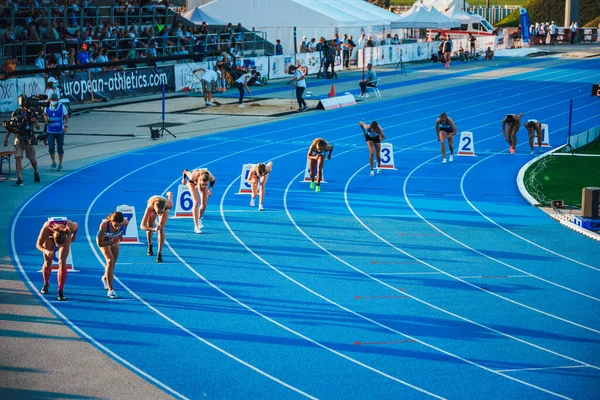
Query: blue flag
{"x":524,"y":25}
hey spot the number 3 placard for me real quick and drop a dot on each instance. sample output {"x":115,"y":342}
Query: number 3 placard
{"x":387,"y":156}
{"x":183,"y":202}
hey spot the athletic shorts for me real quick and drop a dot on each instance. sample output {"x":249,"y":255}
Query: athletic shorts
{"x":206,"y":86}
{"x":372,"y":139}
{"x":28,"y":149}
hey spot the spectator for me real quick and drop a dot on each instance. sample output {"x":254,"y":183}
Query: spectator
{"x":63,"y":58}
{"x":370,"y":42}
{"x":40,"y":62}
{"x":304,"y":46}
{"x":312,"y":45}
{"x":278,"y":48}
{"x":82,"y":55}
{"x":489,"y":54}
{"x":346,"y":50}
{"x":10,"y":65}
{"x":388,"y":39}
{"x":472,"y":40}
{"x":396,"y":39}
{"x":553,"y":33}
{"x":362,"y":41}
{"x":574,"y":28}
{"x":368,"y":82}
{"x":71,"y":57}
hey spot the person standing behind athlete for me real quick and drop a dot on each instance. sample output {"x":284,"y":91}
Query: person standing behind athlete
{"x":373,"y":136}
{"x":57,"y":118}
{"x":445,"y":129}
{"x":241,"y":83}
{"x":300,"y":85}
{"x":108,"y":240}
{"x":447,"y":50}
{"x":56,"y":233}
{"x":316,"y":154}
{"x":510,"y":125}
{"x":157,"y":208}
{"x":258,"y":175}
{"x":202,"y":181}
{"x":534,"y":128}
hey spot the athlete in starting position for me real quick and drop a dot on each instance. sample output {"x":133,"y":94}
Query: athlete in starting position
{"x":57,"y":232}
{"x":108,"y":240}
{"x":199,"y":181}
{"x":316,"y":154}
{"x":373,"y":136}
{"x":258,"y":175}
{"x":510,"y":125}
{"x":157,"y":208}
{"x":445,"y":130}
{"x":534,"y":128}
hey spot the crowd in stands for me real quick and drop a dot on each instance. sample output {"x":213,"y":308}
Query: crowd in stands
{"x":61,"y":28}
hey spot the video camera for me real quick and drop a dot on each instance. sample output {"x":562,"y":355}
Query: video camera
{"x":22,"y":125}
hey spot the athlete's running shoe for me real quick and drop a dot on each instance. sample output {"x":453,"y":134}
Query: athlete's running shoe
{"x":197,"y":230}
{"x":251,"y":202}
{"x":45,"y":288}
{"x":261,"y":208}
{"x":112,"y":294}
{"x":105,"y":282}
{"x":451,"y":158}
{"x":444,"y":160}
{"x":150,"y":251}
{"x":312,"y":184}
{"x":378,"y":170}
{"x":159,"y":258}
{"x":372,"y":173}
{"x":61,"y":295}
{"x":318,"y":188}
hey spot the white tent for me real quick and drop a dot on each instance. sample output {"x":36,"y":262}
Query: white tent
{"x":465,"y":18}
{"x":424,"y":17}
{"x":310,"y":18}
{"x":197,"y":17}
{"x":443,"y":5}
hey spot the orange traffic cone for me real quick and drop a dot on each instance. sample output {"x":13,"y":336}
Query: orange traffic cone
{"x":332,"y":92}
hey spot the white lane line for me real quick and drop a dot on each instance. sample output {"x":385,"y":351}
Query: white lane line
{"x":542,"y":368}
{"x":462,"y":190}
{"x":399,"y":291}
{"x":161,"y":314}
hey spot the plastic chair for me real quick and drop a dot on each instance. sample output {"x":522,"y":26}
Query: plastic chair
{"x":375,"y":87}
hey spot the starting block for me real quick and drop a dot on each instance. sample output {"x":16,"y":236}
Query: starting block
{"x":387,"y":156}
{"x":183,"y":202}
{"x":307,"y":173}
{"x":466,"y":144}
{"x":545,"y":136}
{"x":130,"y":236}
{"x":245,"y":186}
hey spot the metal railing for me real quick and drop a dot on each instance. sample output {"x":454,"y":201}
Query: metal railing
{"x":253,"y":43}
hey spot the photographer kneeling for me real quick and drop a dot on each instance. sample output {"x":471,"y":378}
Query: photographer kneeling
{"x":57,"y":118}
{"x":21,"y":124}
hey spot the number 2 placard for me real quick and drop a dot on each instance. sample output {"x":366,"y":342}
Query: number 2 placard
{"x":466,"y":145}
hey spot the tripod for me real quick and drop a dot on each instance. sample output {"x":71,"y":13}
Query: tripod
{"x":158,"y":133}
{"x":568,"y":146}
{"x":401,"y":65}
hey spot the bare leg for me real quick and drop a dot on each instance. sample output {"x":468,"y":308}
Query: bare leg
{"x":378,"y":155}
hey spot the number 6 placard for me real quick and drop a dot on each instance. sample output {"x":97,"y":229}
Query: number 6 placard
{"x":466,"y":145}
{"x":183,"y":202}
{"x":387,"y":156}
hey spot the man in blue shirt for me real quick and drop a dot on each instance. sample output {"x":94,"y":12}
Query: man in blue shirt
{"x":369,"y":80}
{"x":278,"y":48}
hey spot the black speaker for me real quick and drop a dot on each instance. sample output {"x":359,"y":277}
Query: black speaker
{"x":590,"y":202}
{"x":558,"y":203}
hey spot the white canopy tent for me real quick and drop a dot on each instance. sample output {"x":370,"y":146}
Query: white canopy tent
{"x":310,"y":18}
{"x":196,"y":16}
{"x":424,"y":17}
{"x":443,"y":5}
{"x":465,"y":18}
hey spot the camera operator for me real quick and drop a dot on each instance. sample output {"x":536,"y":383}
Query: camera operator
{"x":57,"y":118}
{"x":22,"y":122}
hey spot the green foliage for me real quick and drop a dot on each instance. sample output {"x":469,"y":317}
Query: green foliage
{"x":552,"y":10}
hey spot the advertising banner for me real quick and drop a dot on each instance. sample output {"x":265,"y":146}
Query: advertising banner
{"x":10,"y":90}
{"x":83,"y":86}
{"x":185,"y":79}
